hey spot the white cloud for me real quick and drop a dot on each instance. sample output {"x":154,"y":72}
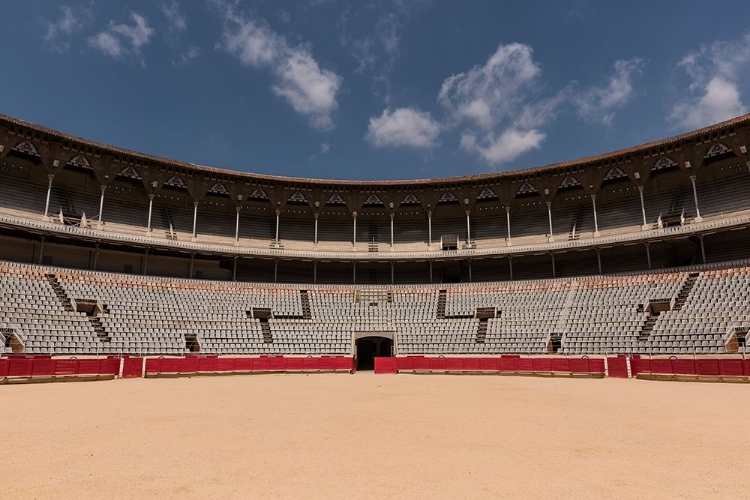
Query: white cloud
{"x":308,"y":88}
{"x":715,"y":71}
{"x":504,"y":147}
{"x":59,"y":31}
{"x":373,"y":40}
{"x":403,"y":127}
{"x":185,"y":58}
{"x":121,"y":40}
{"x":489,"y":94}
{"x":497,"y":101}
{"x":597,"y":104}
{"x":175,"y":20}
{"x":324,"y":148}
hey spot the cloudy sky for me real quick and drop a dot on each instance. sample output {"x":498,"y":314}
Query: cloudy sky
{"x":392,"y":89}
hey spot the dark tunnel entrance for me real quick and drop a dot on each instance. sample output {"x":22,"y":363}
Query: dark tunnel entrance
{"x":368,"y":348}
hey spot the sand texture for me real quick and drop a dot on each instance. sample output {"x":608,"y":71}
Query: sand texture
{"x":375,"y":436}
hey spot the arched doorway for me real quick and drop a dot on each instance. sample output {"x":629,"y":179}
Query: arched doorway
{"x":368,"y":346}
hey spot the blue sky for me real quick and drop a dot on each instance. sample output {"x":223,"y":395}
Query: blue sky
{"x":395,"y":89}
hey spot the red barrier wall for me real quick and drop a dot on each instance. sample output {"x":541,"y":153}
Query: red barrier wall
{"x":132,"y":367}
{"x":386,"y":365}
{"x":618,"y":367}
{"x":214,"y":364}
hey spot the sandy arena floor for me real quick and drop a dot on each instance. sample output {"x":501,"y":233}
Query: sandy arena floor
{"x":368,"y":436}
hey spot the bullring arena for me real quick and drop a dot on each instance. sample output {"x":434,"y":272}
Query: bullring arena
{"x":488,"y":336}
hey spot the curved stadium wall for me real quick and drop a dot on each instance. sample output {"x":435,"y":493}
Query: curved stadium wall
{"x":619,"y":253}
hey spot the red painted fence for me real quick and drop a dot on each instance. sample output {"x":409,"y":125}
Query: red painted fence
{"x":281,"y":364}
{"x":44,"y":366}
{"x":489,"y":364}
{"x":674,"y":366}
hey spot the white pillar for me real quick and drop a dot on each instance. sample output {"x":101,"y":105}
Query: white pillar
{"x":468,"y":227}
{"x":101,"y":206}
{"x":599,"y":259}
{"x":354,"y":238}
{"x":237,"y":226}
{"x":392,"y":272}
{"x":315,"y":272}
{"x":643,"y":208}
{"x":698,"y":217}
{"x":507,"y":219}
{"x":392,"y":215}
{"x":549,"y":214}
{"x":648,"y":255}
{"x":316,"y":229}
{"x":703,"y":248}
{"x":596,"y":221}
{"x":150,"y":210}
{"x":275,"y":270}
{"x":234,"y":269}
{"x":276,"y":238}
{"x":49,"y":192}
{"x":429,"y":230}
{"x":195,"y":217}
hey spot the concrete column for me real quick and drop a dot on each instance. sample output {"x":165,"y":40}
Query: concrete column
{"x":150,"y":211}
{"x":643,"y":208}
{"x":599,"y":259}
{"x":49,"y":193}
{"x":101,"y":206}
{"x":96,"y":256}
{"x":354,"y":273}
{"x":392,"y":215}
{"x":429,"y":230}
{"x":234,"y":269}
{"x":315,"y":272}
{"x":275,"y":270}
{"x":316,"y":229}
{"x":190,"y":269}
{"x":145,"y":263}
{"x":554,"y":272}
{"x":430,"y":271}
{"x":510,"y":265}
{"x":596,"y":221}
{"x":507,"y":219}
{"x":41,"y":251}
{"x":549,"y":214}
{"x":648,"y":255}
{"x":703,"y":248}
{"x":392,"y":273}
{"x":698,"y":217}
{"x":276,"y":238}
{"x":237,"y":226}
{"x":470,"y":277}
{"x":354,"y":234}
{"x":468,"y":227}
{"x":195,"y":217}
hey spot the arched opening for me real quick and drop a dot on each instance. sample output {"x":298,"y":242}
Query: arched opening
{"x":368,"y":348}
